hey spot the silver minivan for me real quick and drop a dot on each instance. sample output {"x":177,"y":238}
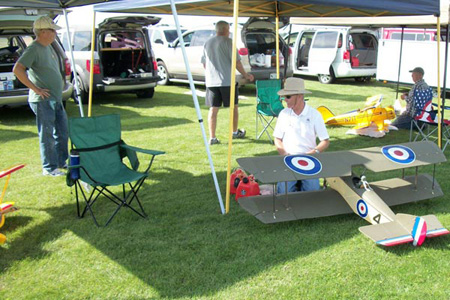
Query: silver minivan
{"x":257,"y":43}
{"x":336,"y":52}
{"x":123,"y":59}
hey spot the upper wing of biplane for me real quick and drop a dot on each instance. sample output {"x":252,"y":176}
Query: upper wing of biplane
{"x":270,"y":169}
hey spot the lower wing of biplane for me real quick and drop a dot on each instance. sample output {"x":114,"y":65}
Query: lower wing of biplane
{"x":347,"y":192}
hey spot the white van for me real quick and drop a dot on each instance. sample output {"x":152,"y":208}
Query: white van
{"x":419,"y":49}
{"x":336,"y":52}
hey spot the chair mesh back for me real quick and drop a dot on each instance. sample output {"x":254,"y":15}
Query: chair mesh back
{"x":97,"y":132}
{"x":268,"y":100}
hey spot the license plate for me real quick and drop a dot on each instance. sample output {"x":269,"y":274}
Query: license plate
{"x":273,"y":76}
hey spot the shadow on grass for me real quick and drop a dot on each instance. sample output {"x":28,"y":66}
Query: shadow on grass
{"x":186,"y":248}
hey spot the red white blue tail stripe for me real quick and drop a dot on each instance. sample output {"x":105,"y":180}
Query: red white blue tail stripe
{"x":419,"y":232}
{"x":396,"y":241}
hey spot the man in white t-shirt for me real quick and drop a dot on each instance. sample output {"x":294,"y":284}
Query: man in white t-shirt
{"x":298,"y":127}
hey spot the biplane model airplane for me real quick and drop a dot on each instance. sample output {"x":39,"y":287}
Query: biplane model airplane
{"x":7,"y":207}
{"x":347,"y":192}
{"x":371,"y":113}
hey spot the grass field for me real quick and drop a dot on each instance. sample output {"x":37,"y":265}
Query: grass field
{"x":186,"y":249}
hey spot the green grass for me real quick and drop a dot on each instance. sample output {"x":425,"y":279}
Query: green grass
{"x":186,"y":249}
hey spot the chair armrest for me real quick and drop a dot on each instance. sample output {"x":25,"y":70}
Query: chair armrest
{"x":146,"y":151}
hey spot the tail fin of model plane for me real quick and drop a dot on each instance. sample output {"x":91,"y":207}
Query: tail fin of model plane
{"x":325,"y":112}
{"x":405,"y":229}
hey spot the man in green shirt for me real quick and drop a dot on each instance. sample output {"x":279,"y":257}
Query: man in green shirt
{"x":45,"y":82}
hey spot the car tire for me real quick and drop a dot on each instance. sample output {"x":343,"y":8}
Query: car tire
{"x":147,"y":93}
{"x":84,"y":95}
{"x":163,"y":74}
{"x":327,"y":79}
{"x":363,"y":79}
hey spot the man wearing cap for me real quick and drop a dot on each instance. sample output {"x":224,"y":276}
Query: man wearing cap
{"x":417,"y":97}
{"x":297,"y":129}
{"x":45,"y":82}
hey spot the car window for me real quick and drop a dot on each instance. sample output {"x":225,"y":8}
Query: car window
{"x":325,"y":39}
{"x":122,"y":39}
{"x":201,"y":36}
{"x":171,"y":35}
{"x":260,"y":42}
{"x":64,"y":41}
{"x":82,"y":41}
{"x":291,"y":39}
{"x":157,"y":36}
{"x":364,"y":41}
{"x":10,"y":49}
{"x":406,"y":36}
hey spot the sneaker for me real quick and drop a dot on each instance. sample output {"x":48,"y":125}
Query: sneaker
{"x":53,"y":173}
{"x":240,"y":134}
{"x":214,"y":141}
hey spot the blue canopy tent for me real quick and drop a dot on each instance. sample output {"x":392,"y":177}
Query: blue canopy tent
{"x":247,"y":8}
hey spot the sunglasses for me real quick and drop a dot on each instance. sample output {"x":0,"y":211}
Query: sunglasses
{"x":288,"y":96}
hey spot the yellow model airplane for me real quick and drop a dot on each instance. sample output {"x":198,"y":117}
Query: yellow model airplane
{"x":346,"y":192}
{"x":372,"y":113}
{"x":6,"y":207}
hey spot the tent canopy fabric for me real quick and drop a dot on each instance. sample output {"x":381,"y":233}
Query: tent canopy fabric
{"x":49,"y":3}
{"x":262,"y":8}
{"x":381,"y":21}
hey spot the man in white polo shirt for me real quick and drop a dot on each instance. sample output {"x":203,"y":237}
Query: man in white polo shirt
{"x":298,"y":127}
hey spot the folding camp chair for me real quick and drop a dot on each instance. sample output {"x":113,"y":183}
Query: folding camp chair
{"x":425,"y":123}
{"x":97,"y":141}
{"x":268,"y":104}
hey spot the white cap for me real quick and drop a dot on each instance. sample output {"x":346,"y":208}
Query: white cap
{"x":45,"y":22}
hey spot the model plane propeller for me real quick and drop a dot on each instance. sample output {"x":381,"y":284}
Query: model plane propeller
{"x":347,"y":192}
{"x":372,"y":113}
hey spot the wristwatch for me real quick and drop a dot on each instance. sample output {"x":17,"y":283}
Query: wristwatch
{"x":316,"y":150}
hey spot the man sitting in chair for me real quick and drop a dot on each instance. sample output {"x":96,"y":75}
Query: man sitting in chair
{"x":298,"y":127}
{"x":419,"y":94}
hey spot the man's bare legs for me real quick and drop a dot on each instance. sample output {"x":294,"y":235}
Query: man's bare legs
{"x":212,"y":121}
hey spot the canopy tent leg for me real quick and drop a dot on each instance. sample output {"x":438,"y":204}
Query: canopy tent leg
{"x":197,"y":107}
{"x":232,"y":95}
{"x":400,"y":61}
{"x":91,"y":69}
{"x":72,"y":65}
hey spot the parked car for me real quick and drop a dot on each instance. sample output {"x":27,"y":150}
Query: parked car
{"x":161,"y":37}
{"x":336,"y":52}
{"x":16,"y":33}
{"x":257,"y":39}
{"x":123,"y":59}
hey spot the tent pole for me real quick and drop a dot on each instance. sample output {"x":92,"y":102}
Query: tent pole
{"x":439,"y":82}
{"x":72,"y":65}
{"x":277,"y":41}
{"x":91,"y":69}
{"x":444,"y":85}
{"x":232,"y":95}
{"x":286,"y":59}
{"x":400,"y":61}
{"x":197,"y":107}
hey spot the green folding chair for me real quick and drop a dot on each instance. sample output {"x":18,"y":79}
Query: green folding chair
{"x":100,"y":149}
{"x":268,"y":105}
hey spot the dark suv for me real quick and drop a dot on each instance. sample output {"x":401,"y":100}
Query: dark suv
{"x":123,"y":58}
{"x":15,"y":35}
